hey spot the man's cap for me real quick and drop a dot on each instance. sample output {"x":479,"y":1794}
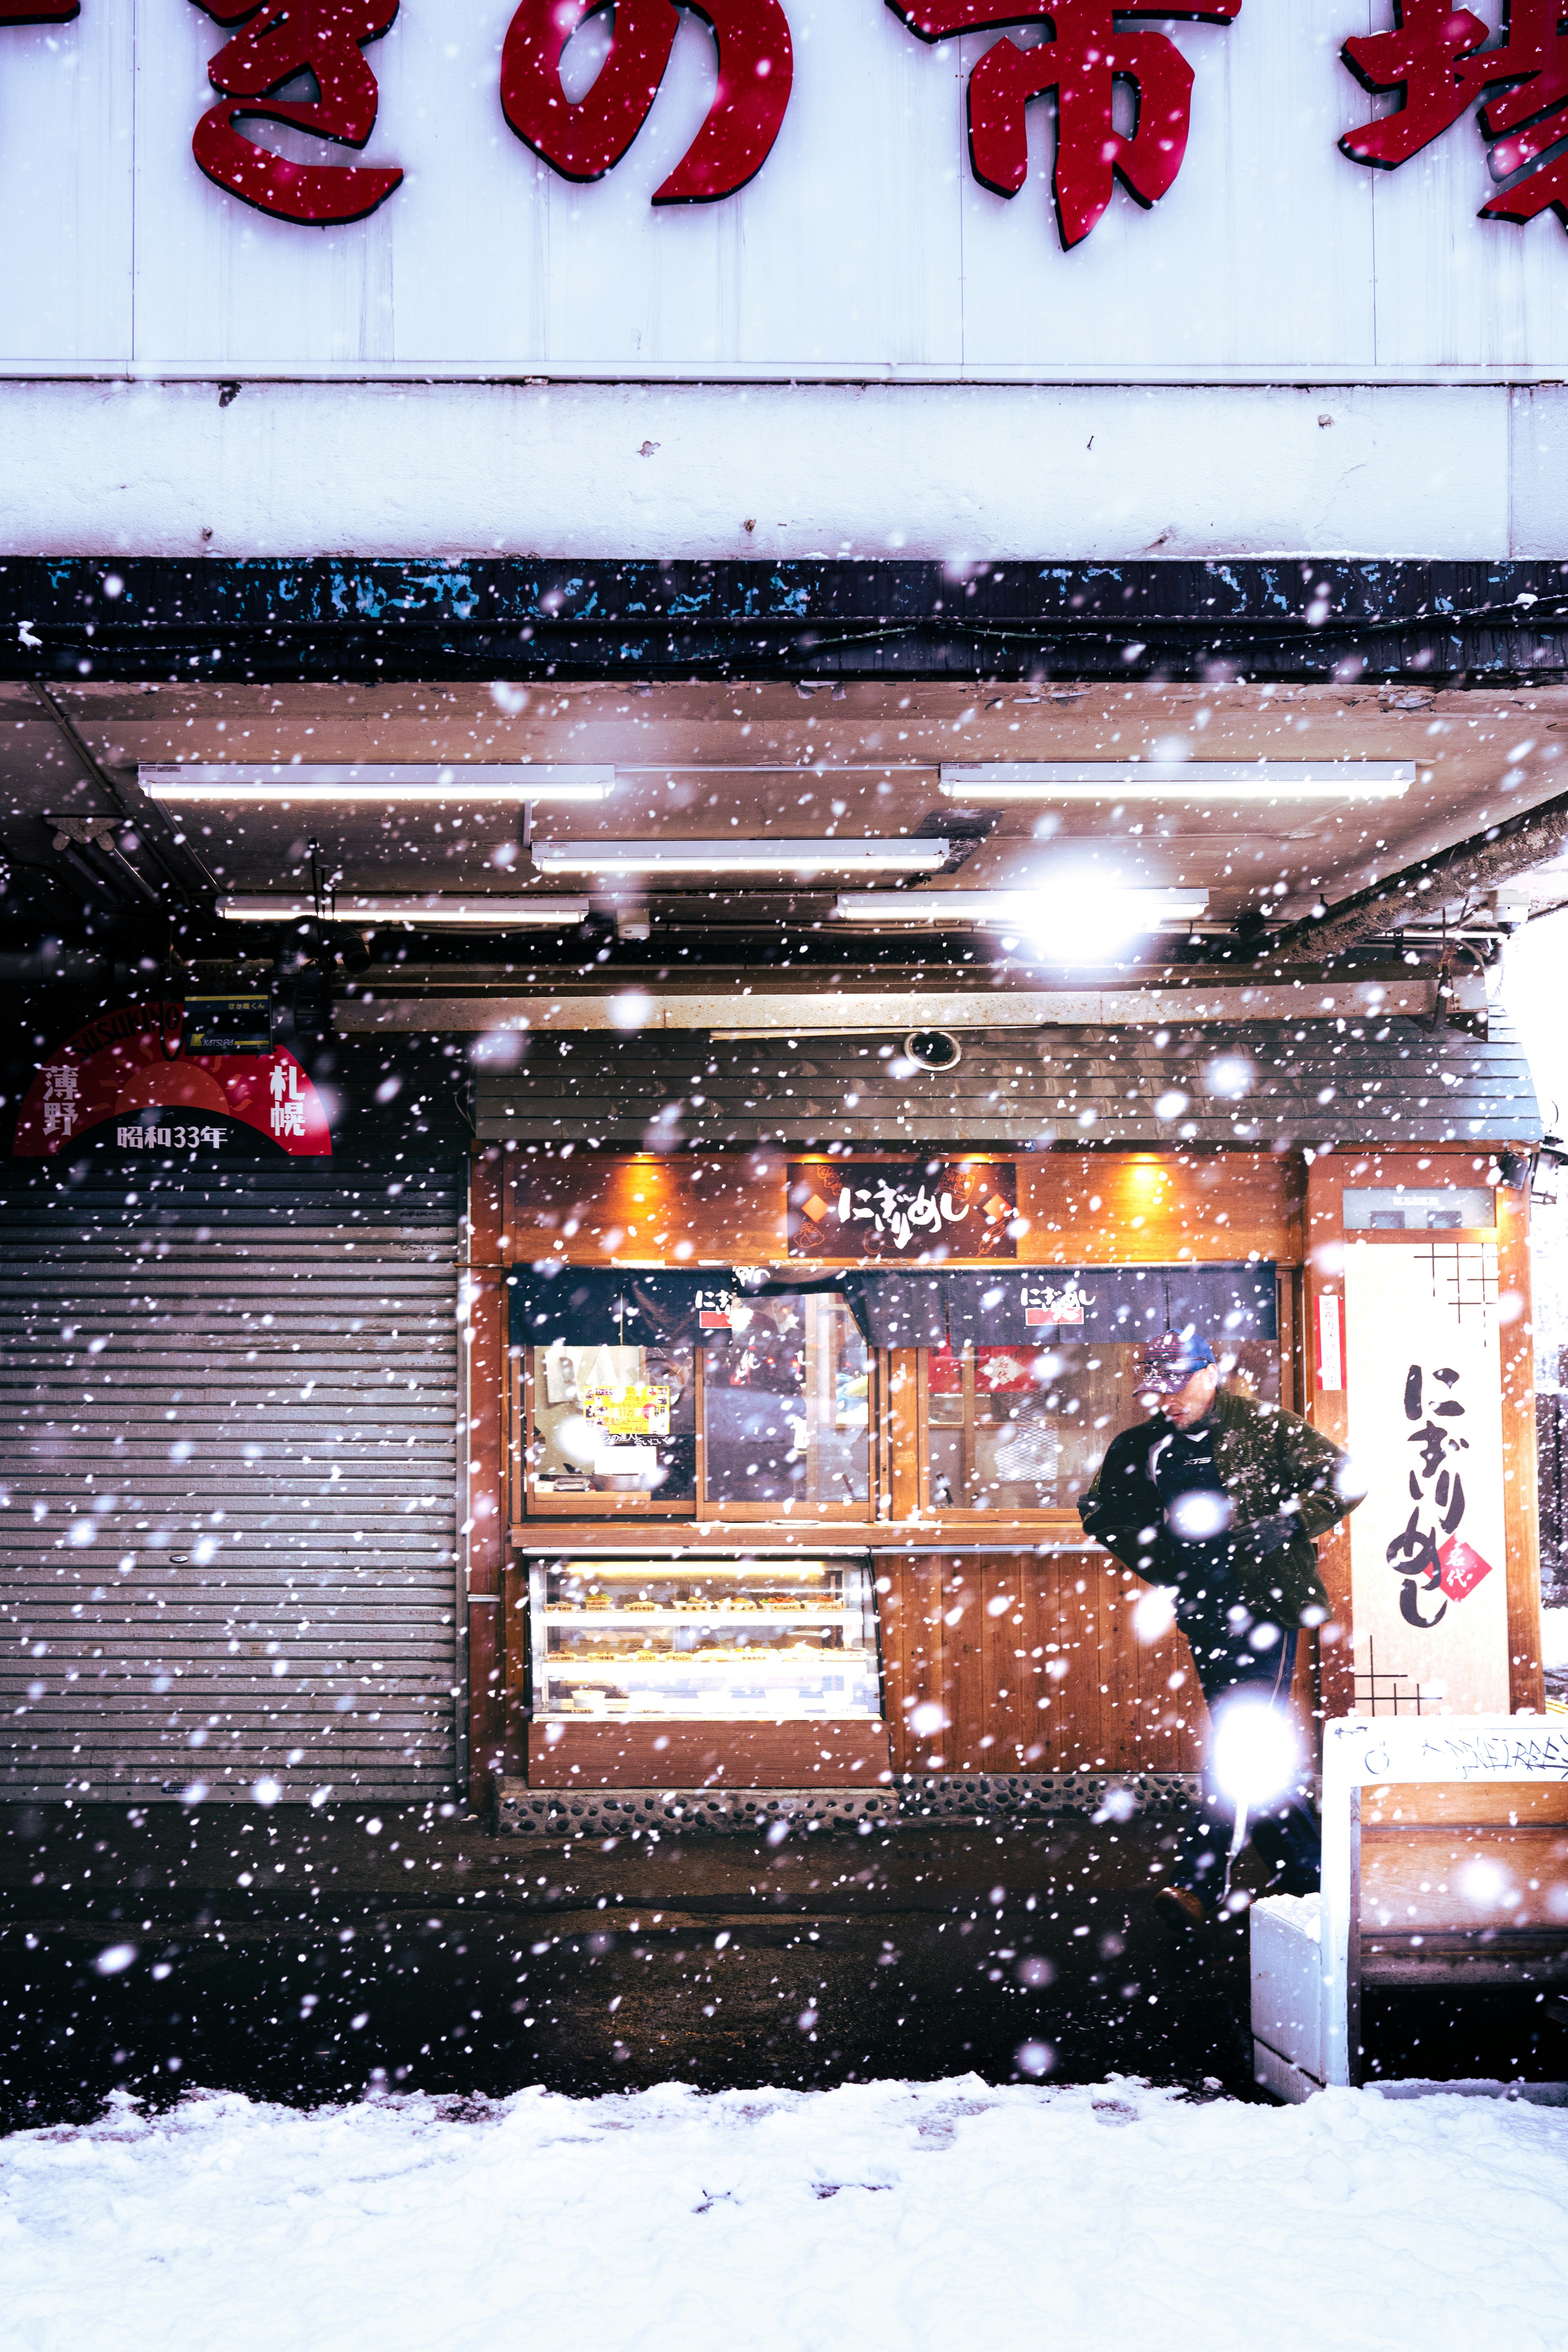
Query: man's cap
{"x":1168,"y":1362}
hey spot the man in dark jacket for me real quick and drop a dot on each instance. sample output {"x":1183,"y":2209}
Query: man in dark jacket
{"x":1220,"y":1499}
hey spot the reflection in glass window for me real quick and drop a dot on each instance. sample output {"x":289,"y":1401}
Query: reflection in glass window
{"x":615,"y":1421}
{"x":787,"y":1405}
{"x":1024,"y":1429}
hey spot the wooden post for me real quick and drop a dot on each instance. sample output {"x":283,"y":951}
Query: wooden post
{"x":903,"y":1421}
{"x":1325,"y":1406}
{"x":485,"y":1390}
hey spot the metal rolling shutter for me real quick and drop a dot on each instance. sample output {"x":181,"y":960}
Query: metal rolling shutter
{"x":228,"y":1450}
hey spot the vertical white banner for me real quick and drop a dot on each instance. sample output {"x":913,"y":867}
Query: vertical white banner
{"x":1428,"y":1576}
{"x":1331,"y":1356}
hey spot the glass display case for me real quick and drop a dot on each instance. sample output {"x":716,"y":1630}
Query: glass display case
{"x":744,"y":1641}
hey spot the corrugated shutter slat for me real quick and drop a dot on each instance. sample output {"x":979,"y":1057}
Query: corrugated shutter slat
{"x":228,"y":1455}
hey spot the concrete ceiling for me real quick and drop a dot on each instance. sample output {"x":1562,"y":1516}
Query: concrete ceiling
{"x":741,"y":761}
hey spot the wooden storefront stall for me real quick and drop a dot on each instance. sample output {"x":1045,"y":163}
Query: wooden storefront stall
{"x":998,"y":1641}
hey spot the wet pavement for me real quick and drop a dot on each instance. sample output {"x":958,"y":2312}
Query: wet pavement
{"x":308,"y":1957}
{"x":304,"y":1955}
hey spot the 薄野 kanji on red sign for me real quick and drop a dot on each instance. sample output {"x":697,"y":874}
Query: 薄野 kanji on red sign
{"x":585,"y":137}
{"x":1091,"y":45}
{"x":1435,"y":57}
{"x":282,"y":39}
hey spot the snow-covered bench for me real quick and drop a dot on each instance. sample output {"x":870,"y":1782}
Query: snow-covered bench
{"x":1445,"y":1862}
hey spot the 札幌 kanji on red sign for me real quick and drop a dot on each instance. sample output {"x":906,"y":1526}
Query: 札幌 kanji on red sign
{"x":1090,"y":46}
{"x":1437,"y":59}
{"x":283,"y":39}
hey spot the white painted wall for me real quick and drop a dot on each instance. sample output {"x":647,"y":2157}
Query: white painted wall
{"x":865,"y":245}
{"x":916,"y":470}
{"x":864,"y":353}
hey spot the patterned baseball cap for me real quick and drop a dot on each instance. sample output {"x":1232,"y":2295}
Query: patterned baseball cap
{"x":1168,"y":1362}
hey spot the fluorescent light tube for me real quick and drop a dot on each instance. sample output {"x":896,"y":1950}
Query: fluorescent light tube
{"x":1179,"y":779}
{"x":236,"y":786}
{"x":673,"y":856}
{"x":1022,"y":910}
{"x":478,"y":913}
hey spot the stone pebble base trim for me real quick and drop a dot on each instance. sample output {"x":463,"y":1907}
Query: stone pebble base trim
{"x":911,"y":1800}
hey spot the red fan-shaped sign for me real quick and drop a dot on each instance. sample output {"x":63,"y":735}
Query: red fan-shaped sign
{"x":129,"y":1064}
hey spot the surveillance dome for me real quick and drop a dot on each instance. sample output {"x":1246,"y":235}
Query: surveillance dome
{"x":932,"y":1049}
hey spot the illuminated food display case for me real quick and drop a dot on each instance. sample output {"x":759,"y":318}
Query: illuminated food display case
{"x":744,"y":1641}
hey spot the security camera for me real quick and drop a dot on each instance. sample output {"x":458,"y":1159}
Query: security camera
{"x":932,"y":1049}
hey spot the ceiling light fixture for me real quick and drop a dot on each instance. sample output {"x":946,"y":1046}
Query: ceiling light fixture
{"x":1026,"y":912}
{"x":301,"y":785}
{"x":674,"y":856}
{"x":1179,"y":779}
{"x":452,"y":913}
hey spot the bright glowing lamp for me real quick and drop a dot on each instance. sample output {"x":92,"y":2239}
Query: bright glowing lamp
{"x":1255,"y":1755}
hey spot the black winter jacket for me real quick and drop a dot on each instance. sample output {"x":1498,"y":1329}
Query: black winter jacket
{"x":1267,"y":1460}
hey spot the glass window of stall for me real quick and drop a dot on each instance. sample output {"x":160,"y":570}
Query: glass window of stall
{"x":609,"y":1394}
{"x":659,"y":1393}
{"x":786,"y":1410}
{"x":1024,"y":1429}
{"x":1038,"y":1372}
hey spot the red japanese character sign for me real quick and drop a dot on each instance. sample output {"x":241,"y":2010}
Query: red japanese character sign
{"x":1092,"y":46}
{"x":125,"y":1081}
{"x":583,"y":140}
{"x":281,"y":40}
{"x":1434,"y":56}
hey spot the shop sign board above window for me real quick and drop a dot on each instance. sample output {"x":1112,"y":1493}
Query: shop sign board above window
{"x":526,"y":180}
{"x":926,"y":1210}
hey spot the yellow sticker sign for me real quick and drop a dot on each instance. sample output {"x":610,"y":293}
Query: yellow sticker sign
{"x":639,"y":1410}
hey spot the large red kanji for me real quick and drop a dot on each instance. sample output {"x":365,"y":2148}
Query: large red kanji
{"x":1434,"y":56}
{"x":1531,"y":119}
{"x":1421,"y":57}
{"x":1093,"y":45}
{"x":586,"y":139}
{"x":282,"y":39}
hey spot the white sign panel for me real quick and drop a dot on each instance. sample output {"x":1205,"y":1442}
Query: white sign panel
{"x":1355,"y":1755}
{"x":989,"y":204}
{"x":1428,"y":1561}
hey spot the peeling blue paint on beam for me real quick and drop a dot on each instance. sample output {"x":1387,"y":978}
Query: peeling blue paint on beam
{"x":342,"y":617}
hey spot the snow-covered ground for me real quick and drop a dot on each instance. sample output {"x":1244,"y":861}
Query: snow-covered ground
{"x":889,"y":2218}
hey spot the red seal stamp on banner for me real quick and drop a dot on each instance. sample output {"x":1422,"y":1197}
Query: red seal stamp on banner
{"x":1462,"y":1568}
